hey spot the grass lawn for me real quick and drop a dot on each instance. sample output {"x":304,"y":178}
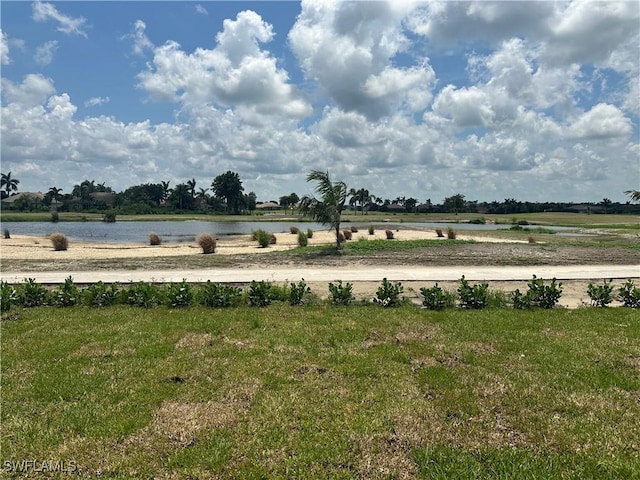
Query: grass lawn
{"x":322,"y":392}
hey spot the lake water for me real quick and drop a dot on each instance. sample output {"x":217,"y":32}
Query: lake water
{"x":186,"y":231}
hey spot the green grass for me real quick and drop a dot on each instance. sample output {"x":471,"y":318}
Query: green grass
{"x":320,"y":392}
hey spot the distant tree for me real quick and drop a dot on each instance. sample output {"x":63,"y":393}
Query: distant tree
{"x":181,"y":197}
{"x":360,"y":197}
{"x":328,"y":209}
{"x":410,"y":204}
{"x":53,"y":196}
{"x":10,"y":184}
{"x":191,"y":184}
{"x":228,"y":186}
{"x":606,"y":204}
{"x":166,"y":191}
{"x":634,"y":195}
{"x":454,"y":203}
{"x":250,"y":200}
{"x":289,"y":201}
{"x":148,"y":193}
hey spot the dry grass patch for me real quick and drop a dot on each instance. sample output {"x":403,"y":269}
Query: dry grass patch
{"x":194,"y":340}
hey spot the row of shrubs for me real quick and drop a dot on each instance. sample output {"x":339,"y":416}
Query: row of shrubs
{"x":260,"y":294}
{"x":208,"y":243}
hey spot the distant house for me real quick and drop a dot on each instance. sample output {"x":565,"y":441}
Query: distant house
{"x":268,"y":206}
{"x":10,"y":201}
{"x":103,"y":197}
{"x":394,"y":207}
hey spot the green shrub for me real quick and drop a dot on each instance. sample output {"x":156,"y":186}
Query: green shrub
{"x":32,"y":294}
{"x":297,"y":292}
{"x":629,"y":294}
{"x":340,"y":294}
{"x":388,"y":294}
{"x":145,"y":295}
{"x":154,"y":239}
{"x":600,"y":295}
{"x":389,"y":234}
{"x":259,"y":294}
{"x":100,"y":295}
{"x":218,"y":295}
{"x":371,"y":230}
{"x":538,"y":295}
{"x":66,"y":295}
{"x":473,"y":296}
{"x":109,"y":217}
{"x":207,"y":243}
{"x":8,"y":296}
{"x":309,"y":233}
{"x":59,"y":241}
{"x":294,"y":230}
{"x":435,"y":298}
{"x":302,"y":239}
{"x":7,"y":234}
{"x":179,"y":294}
{"x":262,"y":237}
{"x":451,"y":233}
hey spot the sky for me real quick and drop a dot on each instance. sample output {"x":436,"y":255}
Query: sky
{"x":537,"y":101}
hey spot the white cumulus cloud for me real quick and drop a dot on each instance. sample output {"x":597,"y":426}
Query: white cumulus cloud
{"x":44,"y":11}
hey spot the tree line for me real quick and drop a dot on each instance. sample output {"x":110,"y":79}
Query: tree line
{"x":225,"y":194}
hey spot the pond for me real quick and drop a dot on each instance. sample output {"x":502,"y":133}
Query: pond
{"x":186,"y":231}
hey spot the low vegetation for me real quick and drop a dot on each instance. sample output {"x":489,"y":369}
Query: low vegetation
{"x":59,"y":241}
{"x":539,"y":295}
{"x":207,"y":243}
{"x":154,"y":239}
{"x":321,"y":392}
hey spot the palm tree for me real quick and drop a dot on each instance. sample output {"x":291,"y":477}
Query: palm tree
{"x":328,"y":209}
{"x":633,"y":194}
{"x":166,"y":191}
{"x":360,"y":197}
{"x":191,"y":184}
{"x":9,"y":184}
{"x":54,"y":196}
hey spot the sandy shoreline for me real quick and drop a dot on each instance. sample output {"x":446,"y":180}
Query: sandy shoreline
{"x":40,"y":248}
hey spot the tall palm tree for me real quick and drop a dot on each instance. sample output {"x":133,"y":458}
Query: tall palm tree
{"x":54,"y":195}
{"x":191,"y":184}
{"x":328,"y":209}
{"x":166,"y":191}
{"x":9,"y":184}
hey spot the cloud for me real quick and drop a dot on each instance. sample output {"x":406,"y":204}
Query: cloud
{"x":33,"y":90}
{"x":96,"y":101}
{"x":141,"y":43}
{"x":594,"y":32}
{"x":201,"y":10}
{"x":601,"y":122}
{"x":43,"y":11}
{"x":44,"y":53}
{"x":237,"y":73}
{"x":348,"y":48}
{"x":4,"y":49}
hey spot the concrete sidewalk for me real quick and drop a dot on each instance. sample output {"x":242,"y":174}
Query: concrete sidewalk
{"x":364,"y":274}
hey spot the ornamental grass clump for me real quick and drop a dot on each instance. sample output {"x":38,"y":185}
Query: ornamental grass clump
{"x":347,"y":234}
{"x":294,"y":230}
{"x":302,"y":239}
{"x":451,"y":233}
{"x":371,"y":230}
{"x":207,"y":243}
{"x":154,"y":239}
{"x":439,"y":233}
{"x":309,"y":233}
{"x":389,"y":234}
{"x":59,"y":241}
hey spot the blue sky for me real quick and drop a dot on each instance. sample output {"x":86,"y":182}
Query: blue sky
{"x":531,"y":100}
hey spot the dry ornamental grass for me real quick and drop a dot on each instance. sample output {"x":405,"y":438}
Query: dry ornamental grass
{"x":207,"y":243}
{"x":59,"y":241}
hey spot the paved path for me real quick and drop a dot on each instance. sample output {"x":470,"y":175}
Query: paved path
{"x":360,"y":274}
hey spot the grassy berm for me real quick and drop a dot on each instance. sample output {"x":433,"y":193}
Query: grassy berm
{"x":322,"y":392}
